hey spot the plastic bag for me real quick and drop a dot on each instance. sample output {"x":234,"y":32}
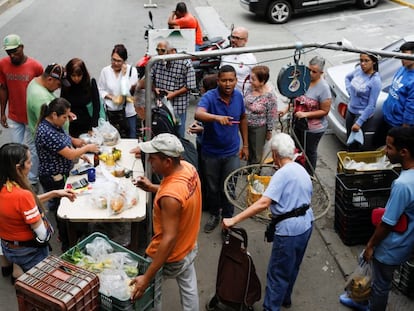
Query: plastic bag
{"x":358,"y":286}
{"x":109,"y":133}
{"x":98,"y":247}
{"x":115,"y":283}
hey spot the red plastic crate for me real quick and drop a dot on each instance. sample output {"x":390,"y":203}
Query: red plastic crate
{"x":55,"y":285}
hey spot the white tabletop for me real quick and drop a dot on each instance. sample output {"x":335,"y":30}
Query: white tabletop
{"x":81,"y":210}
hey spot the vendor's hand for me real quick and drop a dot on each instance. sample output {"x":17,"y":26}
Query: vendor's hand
{"x":4,"y":121}
{"x":224,"y":120}
{"x":228,"y":222}
{"x":85,"y":158}
{"x":77,"y":142}
{"x":144,"y":183}
{"x":355,"y":128}
{"x":93,"y":148}
{"x":66,"y":193}
{"x":244,"y":153}
{"x":136,"y":151}
{"x":368,"y":253}
{"x":140,"y":285}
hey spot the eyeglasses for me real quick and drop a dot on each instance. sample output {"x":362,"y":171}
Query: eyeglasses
{"x":114,"y":60}
{"x":314,"y":71}
{"x":161,"y":50}
{"x":12,"y":51}
{"x":237,"y":38}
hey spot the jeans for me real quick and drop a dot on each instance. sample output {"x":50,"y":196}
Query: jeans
{"x":382,"y":275}
{"x":181,"y":129}
{"x":34,"y":170}
{"x":132,"y":122}
{"x":18,"y":131}
{"x":215,"y":172}
{"x":283,"y":268}
{"x":25,"y":257}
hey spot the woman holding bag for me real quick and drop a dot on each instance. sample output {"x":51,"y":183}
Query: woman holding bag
{"x":23,"y":232}
{"x":312,"y":107}
{"x":116,"y":86}
{"x":363,"y":86}
{"x":83,"y":96}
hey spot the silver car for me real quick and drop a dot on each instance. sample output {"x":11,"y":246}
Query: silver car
{"x":335,"y":76}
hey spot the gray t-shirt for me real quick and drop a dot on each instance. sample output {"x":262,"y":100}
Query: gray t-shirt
{"x":319,"y":92}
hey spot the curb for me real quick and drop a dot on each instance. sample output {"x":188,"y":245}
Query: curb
{"x":6,"y":4}
{"x":405,"y":3}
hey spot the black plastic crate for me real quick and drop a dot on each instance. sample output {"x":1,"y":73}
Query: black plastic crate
{"x":364,"y":191}
{"x":354,"y":225}
{"x":404,"y":278}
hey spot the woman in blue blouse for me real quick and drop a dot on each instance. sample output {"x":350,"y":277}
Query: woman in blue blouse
{"x":363,"y":86}
{"x":56,"y":154}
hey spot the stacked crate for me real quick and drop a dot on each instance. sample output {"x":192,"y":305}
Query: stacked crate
{"x":356,"y":195}
{"x":404,"y":278}
{"x":54,"y":284}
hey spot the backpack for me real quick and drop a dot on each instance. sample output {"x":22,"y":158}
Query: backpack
{"x":163,"y":121}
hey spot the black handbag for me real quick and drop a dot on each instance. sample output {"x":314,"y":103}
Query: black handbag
{"x":118,"y":119}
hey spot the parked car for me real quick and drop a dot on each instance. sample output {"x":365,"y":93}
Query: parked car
{"x":280,"y":11}
{"x":335,"y":76}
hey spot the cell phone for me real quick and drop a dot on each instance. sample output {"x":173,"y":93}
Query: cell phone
{"x":83,"y":169}
{"x":80,"y":183}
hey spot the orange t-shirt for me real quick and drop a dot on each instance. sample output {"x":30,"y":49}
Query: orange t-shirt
{"x":18,"y":211}
{"x":185,"y":187}
{"x":190,"y":22}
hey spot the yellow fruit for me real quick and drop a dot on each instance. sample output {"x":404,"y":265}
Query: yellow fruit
{"x":103,"y":157}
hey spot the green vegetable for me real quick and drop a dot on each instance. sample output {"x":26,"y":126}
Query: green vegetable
{"x":131,"y":271}
{"x":74,"y":255}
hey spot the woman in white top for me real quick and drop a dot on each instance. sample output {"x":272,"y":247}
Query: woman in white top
{"x":116,"y":86}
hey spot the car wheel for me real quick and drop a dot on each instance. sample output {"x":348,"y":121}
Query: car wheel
{"x":367,"y":4}
{"x":280,"y":11}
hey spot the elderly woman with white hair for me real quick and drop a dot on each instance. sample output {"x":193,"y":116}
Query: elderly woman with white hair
{"x":288,"y":196}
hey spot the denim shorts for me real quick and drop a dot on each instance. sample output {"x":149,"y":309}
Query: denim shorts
{"x":25,"y":257}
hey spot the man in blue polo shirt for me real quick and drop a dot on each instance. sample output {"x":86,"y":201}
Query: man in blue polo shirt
{"x":222,"y":112}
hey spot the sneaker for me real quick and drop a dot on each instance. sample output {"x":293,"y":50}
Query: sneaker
{"x":349,"y":302}
{"x":212,"y":223}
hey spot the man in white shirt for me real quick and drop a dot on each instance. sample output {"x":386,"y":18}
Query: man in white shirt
{"x":242,"y":63}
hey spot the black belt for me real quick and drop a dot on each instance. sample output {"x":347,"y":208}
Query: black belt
{"x":300,"y":211}
{"x":18,"y":244}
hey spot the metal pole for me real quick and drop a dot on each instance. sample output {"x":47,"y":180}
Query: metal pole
{"x":150,"y":5}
